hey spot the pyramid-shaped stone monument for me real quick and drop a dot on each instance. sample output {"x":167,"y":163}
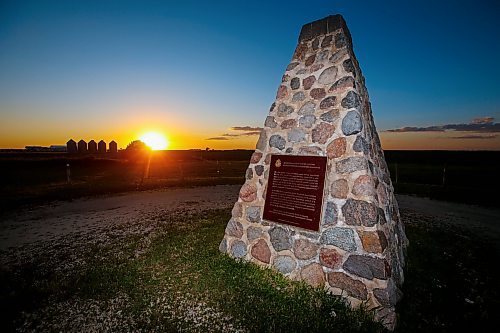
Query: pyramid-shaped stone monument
{"x":318,"y":204}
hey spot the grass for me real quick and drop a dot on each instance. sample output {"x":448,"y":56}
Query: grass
{"x":175,"y":279}
{"x":180,"y":282}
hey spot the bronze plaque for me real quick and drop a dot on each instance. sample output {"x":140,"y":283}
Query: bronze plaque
{"x":295,"y":190}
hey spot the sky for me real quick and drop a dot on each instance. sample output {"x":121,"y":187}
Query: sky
{"x":205,"y":72}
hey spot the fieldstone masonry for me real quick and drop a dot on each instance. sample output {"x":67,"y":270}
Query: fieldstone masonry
{"x":322,"y":108}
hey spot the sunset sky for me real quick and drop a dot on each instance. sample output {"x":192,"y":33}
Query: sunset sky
{"x":205,"y":73}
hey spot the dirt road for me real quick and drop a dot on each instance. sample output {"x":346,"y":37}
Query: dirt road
{"x":90,"y":215}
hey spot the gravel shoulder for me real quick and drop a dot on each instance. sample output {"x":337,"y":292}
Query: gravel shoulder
{"x":479,"y":221}
{"x":83,"y":216}
{"x":47,"y":223}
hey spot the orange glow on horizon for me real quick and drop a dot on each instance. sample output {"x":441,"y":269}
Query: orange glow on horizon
{"x":155,"y":140}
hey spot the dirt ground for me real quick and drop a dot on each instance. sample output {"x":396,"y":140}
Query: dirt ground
{"x":83,"y":216}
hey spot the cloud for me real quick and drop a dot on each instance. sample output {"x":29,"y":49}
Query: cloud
{"x":473,"y":136}
{"x":478,"y":125}
{"x":483,"y":120}
{"x":417,"y":129}
{"x":246,"y":128}
{"x":241,"y":131}
{"x":218,"y":138}
{"x":251,"y":133}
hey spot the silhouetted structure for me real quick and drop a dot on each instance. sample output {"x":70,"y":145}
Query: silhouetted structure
{"x":82,"y":146}
{"x":101,"y":147}
{"x":71,"y":146}
{"x":92,"y":147}
{"x":113,"y":147}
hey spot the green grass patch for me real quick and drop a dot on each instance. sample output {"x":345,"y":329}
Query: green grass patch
{"x":181,"y":273}
{"x":180,"y":281}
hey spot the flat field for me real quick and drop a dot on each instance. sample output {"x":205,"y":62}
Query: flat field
{"x":34,"y":178}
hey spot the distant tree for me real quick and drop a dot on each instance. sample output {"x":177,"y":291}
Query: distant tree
{"x":137,"y":145}
{"x":137,"y":151}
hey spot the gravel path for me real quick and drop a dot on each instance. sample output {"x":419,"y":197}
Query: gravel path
{"x":82,"y":216}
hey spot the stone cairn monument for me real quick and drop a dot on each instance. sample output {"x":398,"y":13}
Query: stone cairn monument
{"x":318,"y":204}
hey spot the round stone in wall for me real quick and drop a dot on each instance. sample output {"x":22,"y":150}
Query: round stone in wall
{"x":256,"y":156}
{"x":330,"y":258}
{"x":317,"y":93}
{"x":330,"y":116}
{"x":277,"y":141}
{"x":351,"y":100}
{"x":270,"y":122}
{"x":261,"y":252}
{"x":352,"y":124}
{"x":308,"y":82}
{"x":322,"y":132}
{"x":328,"y":76}
{"x":248,"y":192}
{"x":282,"y":92}
{"x":298,"y":97}
{"x":342,"y":238}
{"x":284,"y":264}
{"x":352,"y":287}
{"x":296,"y":135}
{"x":327,"y":102}
{"x":307,"y":121}
{"x":366,"y":267}
{"x":337,"y":56}
{"x":359,"y":212}
{"x":253,"y":213}
{"x":330,"y":216}
{"x":315,"y":67}
{"x":295,"y":83}
{"x":336,"y":148}
{"x":364,"y":186}
{"x":237,"y":210}
{"x":310,"y":150}
{"x":349,"y":66}
{"x":254,"y":233}
{"x":289,"y":123}
{"x":259,"y":169}
{"x":351,"y":164}
{"x":281,"y":238}
{"x":313,"y":275}
{"x":249,"y":174}
{"x":310,"y":60}
{"x":305,"y":249}
{"x":234,"y":229}
{"x":343,"y":83}
{"x":238,"y":249}
{"x":308,"y":108}
{"x":339,"y":189}
{"x":284,"y":110}
{"x":292,"y":66}
{"x":360,"y":145}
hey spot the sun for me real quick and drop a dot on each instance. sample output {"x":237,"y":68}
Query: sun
{"x":155,"y":140}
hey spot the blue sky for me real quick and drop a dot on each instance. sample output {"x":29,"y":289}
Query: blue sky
{"x":71,"y":68}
